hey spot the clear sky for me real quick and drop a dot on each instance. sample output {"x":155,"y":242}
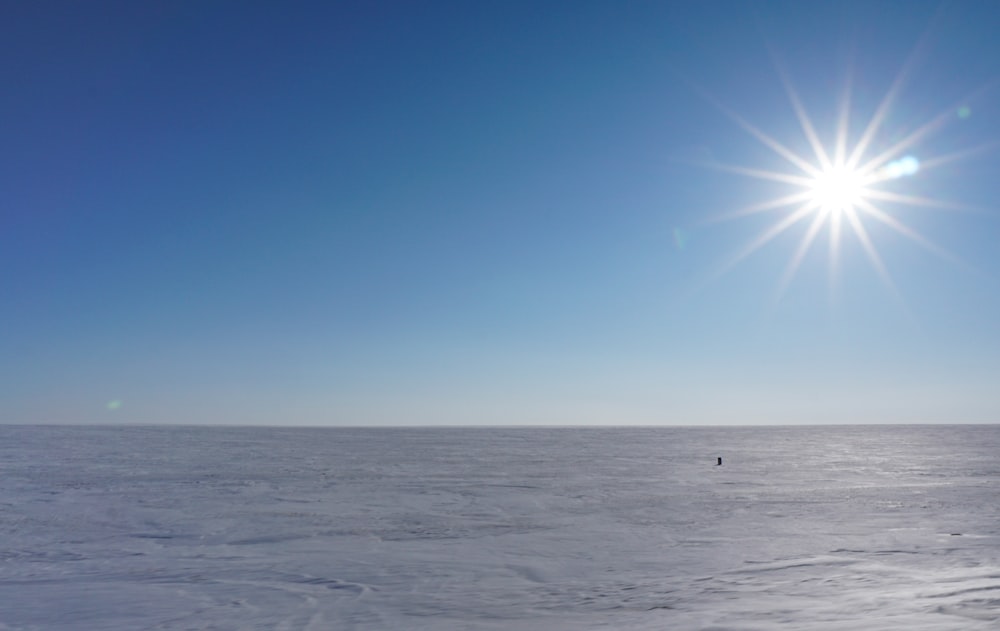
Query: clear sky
{"x":382,"y":213}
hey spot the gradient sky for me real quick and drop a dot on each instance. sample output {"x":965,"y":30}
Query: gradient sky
{"x":380,"y":213}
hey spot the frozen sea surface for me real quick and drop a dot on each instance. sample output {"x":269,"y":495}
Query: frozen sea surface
{"x":806,"y":528}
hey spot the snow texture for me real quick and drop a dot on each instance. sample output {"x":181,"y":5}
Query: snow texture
{"x":806,"y":528}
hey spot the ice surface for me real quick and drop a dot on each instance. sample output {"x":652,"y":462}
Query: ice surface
{"x":846,"y":528}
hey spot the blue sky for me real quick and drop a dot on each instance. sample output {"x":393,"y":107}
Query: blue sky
{"x":381,"y":213}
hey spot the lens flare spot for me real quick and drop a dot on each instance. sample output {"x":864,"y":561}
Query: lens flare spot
{"x":114,"y":405}
{"x":903,"y":167}
{"x":681,"y":238}
{"x":964,"y":112}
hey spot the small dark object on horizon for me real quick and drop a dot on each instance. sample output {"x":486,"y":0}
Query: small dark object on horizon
{"x":719,"y":463}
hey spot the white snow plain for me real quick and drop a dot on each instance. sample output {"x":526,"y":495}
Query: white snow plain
{"x":806,"y":528}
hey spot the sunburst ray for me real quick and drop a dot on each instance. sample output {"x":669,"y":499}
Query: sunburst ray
{"x":765,"y":139}
{"x":844,"y":114}
{"x":800,"y":113}
{"x":918,"y":200}
{"x":948,"y":158}
{"x":866,"y":243}
{"x":873,"y":211}
{"x":793,"y":265}
{"x":769,"y":234}
{"x":760,"y":174}
{"x":925,"y":130}
{"x":771,"y":204}
{"x":888,"y":100}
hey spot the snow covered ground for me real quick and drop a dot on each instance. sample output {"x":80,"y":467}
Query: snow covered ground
{"x":878,"y":527}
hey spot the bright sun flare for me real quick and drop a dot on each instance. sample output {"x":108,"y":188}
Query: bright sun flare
{"x":840,"y":186}
{"x":837,"y":189}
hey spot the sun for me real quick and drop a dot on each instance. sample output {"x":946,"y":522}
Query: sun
{"x":841,"y":187}
{"x":837,"y":189}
